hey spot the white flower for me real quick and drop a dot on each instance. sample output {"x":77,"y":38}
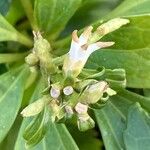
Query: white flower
{"x":80,"y":51}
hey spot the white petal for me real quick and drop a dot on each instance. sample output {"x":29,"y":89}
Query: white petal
{"x":73,"y":53}
{"x":92,"y":47}
{"x":83,"y":39}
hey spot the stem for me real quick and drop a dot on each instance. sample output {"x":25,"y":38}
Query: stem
{"x":7,"y":58}
{"x":27,"y":5}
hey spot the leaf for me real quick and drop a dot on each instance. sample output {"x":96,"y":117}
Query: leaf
{"x":36,"y":130}
{"x":57,"y":136}
{"x":52,"y":15}
{"x":12,"y":15}
{"x":85,"y":140}
{"x":112,"y":122}
{"x":127,"y":54}
{"x":131,"y":8}
{"x":133,"y":97}
{"x":11,"y":94}
{"x":9,"y":33}
{"x":93,"y":10}
{"x":4,"y":6}
{"x":112,"y":118}
{"x":137,"y":134}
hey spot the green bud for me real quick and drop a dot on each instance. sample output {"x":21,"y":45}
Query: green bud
{"x":85,"y":122}
{"x":42,"y":49}
{"x":36,"y":107}
{"x":57,"y":112}
{"x":93,"y":92}
{"x":32,"y":59}
{"x":69,"y":111}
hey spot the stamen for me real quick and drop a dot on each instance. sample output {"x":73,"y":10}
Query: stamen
{"x":75,"y":36}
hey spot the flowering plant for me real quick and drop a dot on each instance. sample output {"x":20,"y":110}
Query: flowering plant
{"x":62,"y":88}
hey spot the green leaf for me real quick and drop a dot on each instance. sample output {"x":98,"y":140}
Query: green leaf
{"x":112,"y":118}
{"x":9,"y":33}
{"x":36,"y":130}
{"x":133,"y":97}
{"x":85,"y":140}
{"x":12,"y":15}
{"x":112,"y":122}
{"x":137,"y":134}
{"x":4,"y":6}
{"x":131,"y":8}
{"x":131,"y":50}
{"x":11,"y":94}
{"x":93,"y":10}
{"x":57,"y":136}
{"x":52,"y":15}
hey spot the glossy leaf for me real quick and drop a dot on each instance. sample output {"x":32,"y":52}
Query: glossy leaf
{"x":131,"y":50}
{"x":11,"y":94}
{"x":9,"y":33}
{"x":131,"y":8}
{"x":4,"y":6}
{"x":93,"y":9}
{"x":57,"y":136}
{"x":52,"y":15}
{"x":112,"y":122}
{"x":85,"y":140}
{"x":137,"y":134}
{"x":37,"y":129}
{"x":12,"y":15}
{"x":112,"y":119}
{"x":133,"y":97}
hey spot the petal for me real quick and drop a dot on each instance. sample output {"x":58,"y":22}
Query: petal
{"x":105,"y":44}
{"x":98,"y":45}
{"x":74,"y":48}
{"x":83,"y":39}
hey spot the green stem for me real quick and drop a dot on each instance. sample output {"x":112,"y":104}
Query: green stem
{"x":27,"y":5}
{"x":7,"y":58}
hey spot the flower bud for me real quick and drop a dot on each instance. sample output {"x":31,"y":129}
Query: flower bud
{"x":56,"y":111}
{"x":81,"y":108}
{"x":69,"y":111}
{"x":85,"y":122}
{"x":93,"y":92}
{"x":55,"y":91}
{"x":68,"y":90}
{"x":31,"y":59}
{"x":42,"y":49}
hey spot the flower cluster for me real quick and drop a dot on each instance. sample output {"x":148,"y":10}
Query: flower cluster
{"x":67,"y":93}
